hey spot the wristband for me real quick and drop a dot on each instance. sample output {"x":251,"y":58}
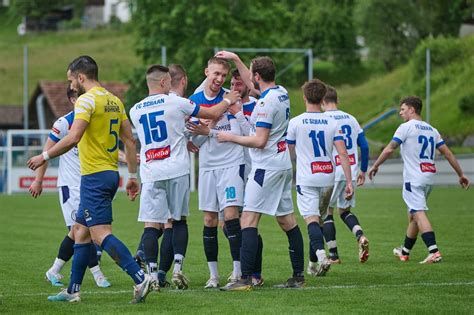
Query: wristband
{"x":132,"y":176}
{"x":45,"y":155}
{"x":228,"y":101}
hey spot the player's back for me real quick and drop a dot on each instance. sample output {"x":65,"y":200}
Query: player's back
{"x":98,"y":148}
{"x":212,"y":153}
{"x":419,"y":141}
{"x":160,"y":123}
{"x":313,"y":134}
{"x":350,"y":131}
{"x":272,"y":111}
{"x":69,"y":168}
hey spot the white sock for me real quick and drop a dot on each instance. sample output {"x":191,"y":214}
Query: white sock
{"x":237,"y":273}
{"x":57,"y":266}
{"x":321,"y":254}
{"x":213,"y":269}
{"x":96,"y":272}
{"x":178,"y":263}
{"x":152,"y":269}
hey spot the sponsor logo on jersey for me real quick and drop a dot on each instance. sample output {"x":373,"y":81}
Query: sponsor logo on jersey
{"x":281,"y":145}
{"x":55,"y":130}
{"x":158,"y":154}
{"x":321,"y":167}
{"x":352,"y":159}
{"x":427,"y":167}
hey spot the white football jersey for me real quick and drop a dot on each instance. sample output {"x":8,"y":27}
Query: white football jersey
{"x":69,"y":171}
{"x":212,"y":153}
{"x":418,"y":143}
{"x":313,"y":135}
{"x":160,"y":123}
{"x":272,"y":111}
{"x":350,"y":130}
{"x":247,"y":109}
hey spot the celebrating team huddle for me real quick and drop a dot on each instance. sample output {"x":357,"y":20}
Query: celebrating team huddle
{"x":245,"y":144}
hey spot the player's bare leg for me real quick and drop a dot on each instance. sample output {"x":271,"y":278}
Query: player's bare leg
{"x":211,"y":247}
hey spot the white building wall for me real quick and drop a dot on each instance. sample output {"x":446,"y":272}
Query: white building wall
{"x":118,"y":8}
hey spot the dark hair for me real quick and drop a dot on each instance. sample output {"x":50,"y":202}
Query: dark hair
{"x":235,"y":73}
{"x":219,"y":61}
{"x":70,"y":92}
{"x":314,"y":91}
{"x":177,"y":72}
{"x":265,"y":67}
{"x":413,"y":101}
{"x":331,"y":95}
{"x":157,"y":68}
{"x":85,"y":65}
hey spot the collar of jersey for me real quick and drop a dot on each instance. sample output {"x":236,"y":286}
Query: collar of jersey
{"x":268,"y":90}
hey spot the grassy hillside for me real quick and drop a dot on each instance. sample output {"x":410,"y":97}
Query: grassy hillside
{"x":50,"y":53}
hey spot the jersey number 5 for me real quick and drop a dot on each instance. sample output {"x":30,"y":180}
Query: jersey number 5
{"x":153,"y":129}
{"x":114,"y":134}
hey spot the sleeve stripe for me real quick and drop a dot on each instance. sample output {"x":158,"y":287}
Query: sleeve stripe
{"x":54,"y":138}
{"x":439,"y":144}
{"x":195,"y":111}
{"x":263,"y":125}
{"x":338,"y":138}
{"x":397,"y":140}
{"x":290,"y":141}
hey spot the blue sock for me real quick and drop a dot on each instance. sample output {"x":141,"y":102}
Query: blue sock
{"x":93,"y":259}
{"x":66,"y":249}
{"x":98,"y":251}
{"x":79,"y":266}
{"x":316,"y":239}
{"x":257,"y":272}
{"x":166,"y":252}
{"x":248,"y":251}
{"x":150,"y":243}
{"x":351,"y":221}
{"x":296,"y":250}
{"x":234,"y":236}
{"x":209,"y":238}
{"x":180,"y":237}
{"x":122,"y":257}
{"x":329,"y":231}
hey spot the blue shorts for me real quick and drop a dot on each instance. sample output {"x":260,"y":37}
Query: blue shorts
{"x":97,"y":193}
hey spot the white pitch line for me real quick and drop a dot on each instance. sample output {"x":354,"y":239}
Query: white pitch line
{"x":330,"y":287}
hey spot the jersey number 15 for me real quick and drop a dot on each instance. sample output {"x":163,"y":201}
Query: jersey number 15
{"x":153,"y":129}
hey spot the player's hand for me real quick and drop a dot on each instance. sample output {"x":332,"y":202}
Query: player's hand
{"x":36,"y":188}
{"x":199,"y":128}
{"x":232,"y":96}
{"x":226,"y":55}
{"x":132,"y":188}
{"x":235,"y":108}
{"x":361,"y":178}
{"x":372,"y":172}
{"x":224,"y":136}
{"x":192,"y":148}
{"x":349,"y":191}
{"x":35,"y":162}
{"x":464,"y":181}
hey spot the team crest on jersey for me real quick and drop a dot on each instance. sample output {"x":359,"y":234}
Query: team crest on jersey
{"x":158,"y":154}
{"x":321,"y":167}
{"x":281,"y":146}
{"x":352,"y":160}
{"x":261,"y":104}
{"x":427,"y":167}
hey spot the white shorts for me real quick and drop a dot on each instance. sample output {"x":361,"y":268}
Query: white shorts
{"x":269,"y":192}
{"x":415,"y":196}
{"x":69,"y":198}
{"x":338,"y":196}
{"x":164,"y":199}
{"x":313,"y":200}
{"x":221,"y":188}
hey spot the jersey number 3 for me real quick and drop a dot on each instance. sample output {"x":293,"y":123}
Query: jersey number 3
{"x":153,"y":129}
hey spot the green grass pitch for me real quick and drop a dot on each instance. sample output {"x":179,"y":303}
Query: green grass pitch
{"x":31,"y":230}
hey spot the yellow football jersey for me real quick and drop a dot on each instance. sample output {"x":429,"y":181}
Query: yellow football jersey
{"x":98,"y":148}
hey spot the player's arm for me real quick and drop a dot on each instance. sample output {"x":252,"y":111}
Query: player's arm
{"x":65,"y":144}
{"x":259,"y":140}
{"x":36,"y":187}
{"x":243,"y":70}
{"x":216,"y":111}
{"x":463,"y":180}
{"x":236,"y":110}
{"x":291,"y":147}
{"x":346,"y":166}
{"x":364,"y":158}
{"x":386,"y":153}
{"x":126,"y":136}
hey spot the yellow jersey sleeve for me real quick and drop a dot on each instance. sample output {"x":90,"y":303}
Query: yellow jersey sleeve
{"x":84,"y":107}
